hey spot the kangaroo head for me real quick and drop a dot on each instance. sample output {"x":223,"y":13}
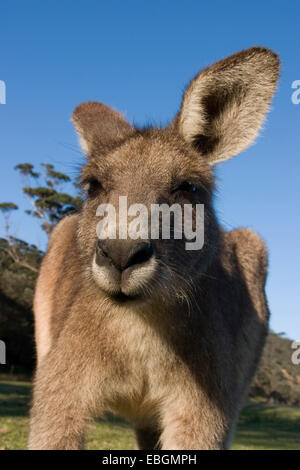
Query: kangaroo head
{"x":222,"y":111}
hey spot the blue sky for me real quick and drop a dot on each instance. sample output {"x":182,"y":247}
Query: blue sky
{"x":137,"y":56}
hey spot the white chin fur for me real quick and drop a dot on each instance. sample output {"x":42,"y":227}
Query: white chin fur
{"x":107,"y":279}
{"x":138,"y":278}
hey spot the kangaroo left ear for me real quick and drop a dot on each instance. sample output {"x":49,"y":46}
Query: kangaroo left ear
{"x":225,"y":105}
{"x":98,"y":125}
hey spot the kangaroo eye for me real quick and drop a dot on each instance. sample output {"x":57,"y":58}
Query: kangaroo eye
{"x":187,"y":187}
{"x":93,"y":187}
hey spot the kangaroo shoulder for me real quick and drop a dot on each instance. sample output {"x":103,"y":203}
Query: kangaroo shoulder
{"x":63,"y":231}
{"x":250,"y":251}
{"x":60,"y":240}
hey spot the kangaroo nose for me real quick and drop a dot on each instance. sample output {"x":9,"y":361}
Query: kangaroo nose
{"x":140,"y":253}
{"x":122,"y":256}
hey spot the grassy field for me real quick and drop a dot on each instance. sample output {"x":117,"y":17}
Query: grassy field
{"x":260,"y":427}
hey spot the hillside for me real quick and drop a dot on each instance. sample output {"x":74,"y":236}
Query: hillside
{"x":277,"y":378}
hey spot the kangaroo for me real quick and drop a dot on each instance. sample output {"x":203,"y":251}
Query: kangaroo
{"x":167,"y":338}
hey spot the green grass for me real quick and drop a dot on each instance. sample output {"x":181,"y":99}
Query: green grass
{"x":268,"y":427}
{"x":261,"y":426}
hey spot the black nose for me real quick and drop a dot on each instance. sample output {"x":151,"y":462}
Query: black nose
{"x":140,"y":253}
{"x":123,"y":255}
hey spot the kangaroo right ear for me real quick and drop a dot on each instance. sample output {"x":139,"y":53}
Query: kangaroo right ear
{"x":224,"y":106}
{"x":98,"y":125}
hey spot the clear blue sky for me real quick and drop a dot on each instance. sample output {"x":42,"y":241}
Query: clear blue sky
{"x":137,"y":56}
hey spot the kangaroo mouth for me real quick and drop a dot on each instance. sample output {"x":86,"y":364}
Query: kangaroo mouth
{"x":131,"y":284}
{"x":123,"y":298}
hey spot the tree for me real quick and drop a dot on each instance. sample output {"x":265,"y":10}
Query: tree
{"x":17,"y":281}
{"x":17,"y":249}
{"x":51,"y":198}
{"x":6,"y":208}
{"x":22,"y":253}
{"x":49,"y":203}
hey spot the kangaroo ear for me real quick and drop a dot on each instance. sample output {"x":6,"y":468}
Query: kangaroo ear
{"x":98,"y":125}
{"x":224,"y":106}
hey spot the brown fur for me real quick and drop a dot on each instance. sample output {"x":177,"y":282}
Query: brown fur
{"x":173,"y":351}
